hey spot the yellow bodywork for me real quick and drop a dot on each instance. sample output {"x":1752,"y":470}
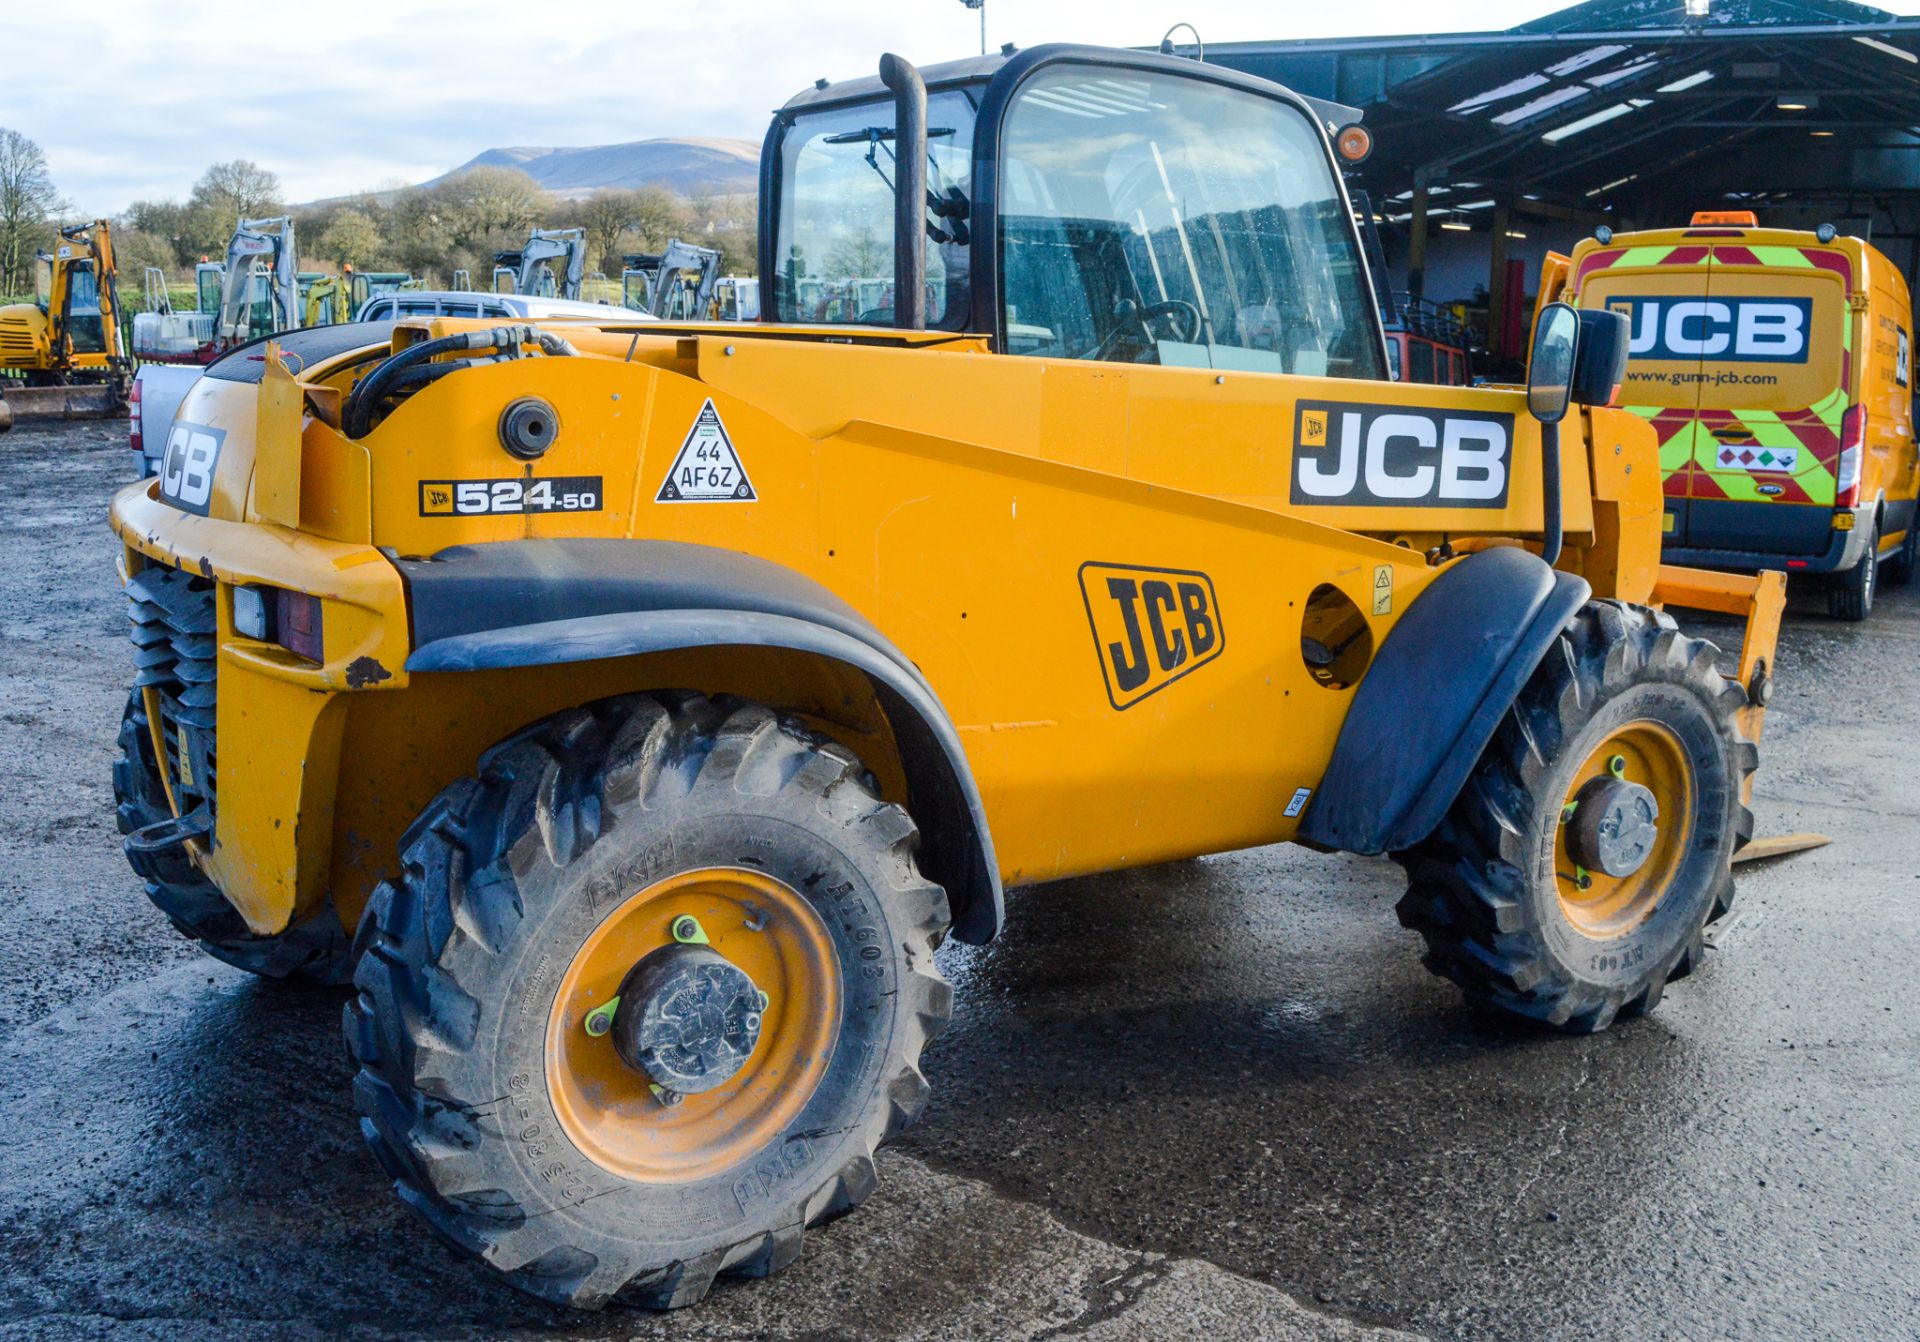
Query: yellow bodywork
{"x":967,"y":504}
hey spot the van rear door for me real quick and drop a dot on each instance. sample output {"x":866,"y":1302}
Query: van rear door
{"x":1775,"y":338}
{"x":1647,"y":285}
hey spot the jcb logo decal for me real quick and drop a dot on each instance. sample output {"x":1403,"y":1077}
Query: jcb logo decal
{"x":1399,"y":456}
{"x":1151,"y":626}
{"x":188,"y":464}
{"x":1726,"y":330}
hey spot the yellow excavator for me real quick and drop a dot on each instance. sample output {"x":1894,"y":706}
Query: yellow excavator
{"x":64,"y":355}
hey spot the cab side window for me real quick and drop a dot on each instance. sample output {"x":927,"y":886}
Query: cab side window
{"x":1149,"y":217}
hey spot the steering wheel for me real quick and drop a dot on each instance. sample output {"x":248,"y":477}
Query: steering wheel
{"x":1132,"y":317}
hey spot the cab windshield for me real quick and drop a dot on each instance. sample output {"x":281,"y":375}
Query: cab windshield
{"x":836,"y":213}
{"x":1155,"y":217}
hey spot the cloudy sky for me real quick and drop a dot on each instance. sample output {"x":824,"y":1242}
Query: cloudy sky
{"x":135,"y":101}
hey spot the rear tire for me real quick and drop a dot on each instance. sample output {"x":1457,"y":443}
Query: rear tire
{"x":484,"y":1098}
{"x":1489,"y":890}
{"x":1851,"y":596}
{"x":315,"y":949}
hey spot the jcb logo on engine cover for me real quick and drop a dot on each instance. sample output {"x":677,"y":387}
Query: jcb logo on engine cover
{"x":1151,"y":626}
{"x":1399,"y":456}
{"x":1726,"y":330}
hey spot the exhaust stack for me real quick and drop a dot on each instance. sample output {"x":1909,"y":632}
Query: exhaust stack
{"x":909,"y":191}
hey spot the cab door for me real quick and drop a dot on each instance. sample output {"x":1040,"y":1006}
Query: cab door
{"x":85,"y":324}
{"x":1656,"y":292}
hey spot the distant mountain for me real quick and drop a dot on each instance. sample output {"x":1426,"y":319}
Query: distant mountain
{"x":685,"y":165}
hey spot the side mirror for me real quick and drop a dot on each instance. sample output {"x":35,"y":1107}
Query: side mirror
{"x":1550,"y":366}
{"x":1600,"y":362}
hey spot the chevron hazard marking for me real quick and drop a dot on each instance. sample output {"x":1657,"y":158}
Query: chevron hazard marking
{"x":708,"y":468}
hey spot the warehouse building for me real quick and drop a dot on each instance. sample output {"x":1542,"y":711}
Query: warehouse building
{"x":1492,"y":148}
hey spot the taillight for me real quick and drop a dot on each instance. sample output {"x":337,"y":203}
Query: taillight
{"x":297,"y":624}
{"x":133,"y":419}
{"x":276,"y":615}
{"x":1853,"y":437}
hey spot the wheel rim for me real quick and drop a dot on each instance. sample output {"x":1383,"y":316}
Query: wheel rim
{"x":611,"y":1111}
{"x":1653,"y":756}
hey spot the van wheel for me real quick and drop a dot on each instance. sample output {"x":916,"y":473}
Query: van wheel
{"x":756,"y":909}
{"x":1575,"y":874}
{"x":1898,"y":570}
{"x":1851,"y":596}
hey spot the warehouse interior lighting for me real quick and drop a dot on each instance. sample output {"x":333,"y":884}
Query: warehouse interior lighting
{"x":1891,"y":50}
{"x":1690,"y":82}
{"x":1588,"y":122}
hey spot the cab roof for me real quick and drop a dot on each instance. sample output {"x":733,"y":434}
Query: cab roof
{"x":981,"y":69}
{"x":1707,"y":235}
{"x":1860,"y":264}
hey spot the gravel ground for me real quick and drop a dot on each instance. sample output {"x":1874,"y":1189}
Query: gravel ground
{"x":1218,"y":1099}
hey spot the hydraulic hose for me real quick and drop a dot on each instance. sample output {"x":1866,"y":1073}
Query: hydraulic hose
{"x":393,"y":375}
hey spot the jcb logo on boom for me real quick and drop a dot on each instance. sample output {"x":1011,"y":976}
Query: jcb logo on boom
{"x":1399,"y":456}
{"x":1727,"y":330}
{"x":1151,"y":626}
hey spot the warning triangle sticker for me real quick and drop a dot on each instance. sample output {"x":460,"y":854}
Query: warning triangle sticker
{"x":708,"y":468}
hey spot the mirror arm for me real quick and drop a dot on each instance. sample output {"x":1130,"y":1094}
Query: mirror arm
{"x":1550,"y":545}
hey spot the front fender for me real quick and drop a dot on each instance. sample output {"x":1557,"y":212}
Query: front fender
{"x":544,"y":602}
{"x":1443,"y":679}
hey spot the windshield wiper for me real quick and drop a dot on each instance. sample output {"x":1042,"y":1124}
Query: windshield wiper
{"x":951,"y":206}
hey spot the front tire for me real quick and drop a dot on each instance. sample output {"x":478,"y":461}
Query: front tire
{"x":529,"y":896}
{"x":1622,"y":701}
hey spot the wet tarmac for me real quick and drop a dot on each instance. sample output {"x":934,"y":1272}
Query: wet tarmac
{"x":1218,"y":1099}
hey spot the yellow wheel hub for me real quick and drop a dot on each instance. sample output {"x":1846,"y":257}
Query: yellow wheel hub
{"x":1642,"y":754}
{"x":612,"y":1111}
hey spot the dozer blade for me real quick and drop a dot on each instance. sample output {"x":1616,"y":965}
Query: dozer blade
{"x":32,"y":405}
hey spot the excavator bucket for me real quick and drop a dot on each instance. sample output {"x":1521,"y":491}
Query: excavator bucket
{"x":34,"y":405}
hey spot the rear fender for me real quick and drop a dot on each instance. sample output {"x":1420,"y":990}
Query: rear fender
{"x":547,"y":602}
{"x":1444,"y":677}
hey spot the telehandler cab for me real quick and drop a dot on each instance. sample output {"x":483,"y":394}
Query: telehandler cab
{"x":631,"y":710}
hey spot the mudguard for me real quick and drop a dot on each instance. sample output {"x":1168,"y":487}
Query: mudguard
{"x":537,"y":603}
{"x":1428,"y":705}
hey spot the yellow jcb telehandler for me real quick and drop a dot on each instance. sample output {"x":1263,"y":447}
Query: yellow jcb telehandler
{"x":630,"y":710}
{"x":64,"y":355}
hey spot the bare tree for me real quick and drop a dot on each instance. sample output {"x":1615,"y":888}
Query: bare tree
{"x":240,"y":188}
{"x":28,"y":205}
{"x":164,"y":219}
{"x":487,"y":204}
{"x":605,"y":215}
{"x":225,"y":194}
{"x":351,"y":239}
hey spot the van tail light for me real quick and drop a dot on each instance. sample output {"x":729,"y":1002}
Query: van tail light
{"x":133,"y":419}
{"x":1853,"y":437}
